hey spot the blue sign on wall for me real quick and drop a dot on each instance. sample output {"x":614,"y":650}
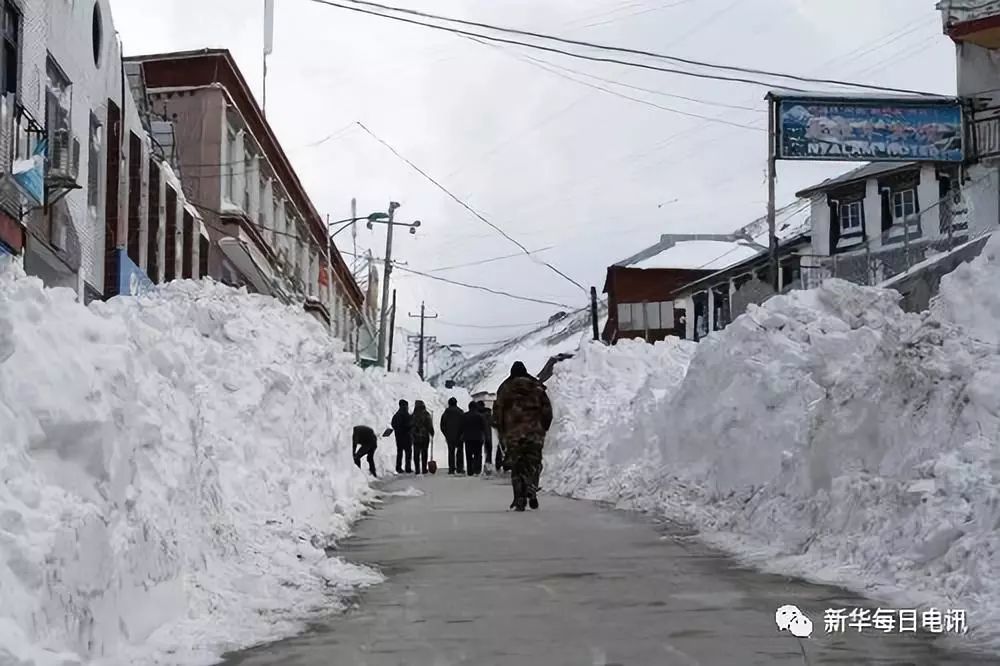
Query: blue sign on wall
{"x":30,"y":174}
{"x":132,"y":281}
{"x":868,"y":130}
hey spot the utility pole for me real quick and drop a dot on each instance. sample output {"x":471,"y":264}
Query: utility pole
{"x":772,"y":176}
{"x":423,"y":317}
{"x":268,"y":46}
{"x":392,"y":331}
{"x":385,"y":286}
{"x":354,"y":234}
{"x":593,"y":312}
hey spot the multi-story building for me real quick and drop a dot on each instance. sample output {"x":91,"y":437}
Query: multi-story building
{"x":269,"y":236}
{"x":75,"y":153}
{"x":974,"y":26}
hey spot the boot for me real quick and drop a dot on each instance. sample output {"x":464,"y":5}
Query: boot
{"x":533,"y":502}
{"x":519,"y":504}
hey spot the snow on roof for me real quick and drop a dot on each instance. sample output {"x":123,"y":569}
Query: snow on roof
{"x":700,"y":255}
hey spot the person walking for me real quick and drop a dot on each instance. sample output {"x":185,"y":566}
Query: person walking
{"x":402,"y":426}
{"x":451,"y":428}
{"x":364,"y":442}
{"x":488,"y":433}
{"x":474,"y":435}
{"x":523,"y":414}
{"x":423,"y":432}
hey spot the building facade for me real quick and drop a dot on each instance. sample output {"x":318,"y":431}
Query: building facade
{"x":75,"y":149}
{"x":270,"y":238}
{"x":881,"y":219}
{"x":640,"y":302}
{"x":974,"y":27}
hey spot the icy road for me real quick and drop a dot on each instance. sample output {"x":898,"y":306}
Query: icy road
{"x":573,"y":584}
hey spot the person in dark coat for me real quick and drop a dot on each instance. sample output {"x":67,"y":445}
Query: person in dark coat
{"x":363,"y":445}
{"x":474,"y":435}
{"x":523,"y":414}
{"x":423,"y":432}
{"x":402,"y":426}
{"x":518,"y":369}
{"x":488,"y":431}
{"x":451,"y":428}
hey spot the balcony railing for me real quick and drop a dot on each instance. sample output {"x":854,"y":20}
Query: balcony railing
{"x":20,"y":135}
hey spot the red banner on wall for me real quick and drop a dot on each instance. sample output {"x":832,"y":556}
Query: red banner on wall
{"x":324,"y":277}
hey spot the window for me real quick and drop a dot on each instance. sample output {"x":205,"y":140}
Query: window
{"x":248,"y":182}
{"x":11,"y":47}
{"x":624,"y":317}
{"x":97,"y":33}
{"x":904,"y":204}
{"x":642,"y":316}
{"x":228,"y":165}
{"x":652,"y":316}
{"x":58,"y":107}
{"x":94,"y":165}
{"x":850,"y":216}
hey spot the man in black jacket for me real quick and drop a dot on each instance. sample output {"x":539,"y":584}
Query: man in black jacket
{"x":363,"y":445}
{"x":423,"y":432}
{"x":488,"y":431}
{"x":474,"y":435}
{"x":451,"y":428}
{"x":402,"y":426}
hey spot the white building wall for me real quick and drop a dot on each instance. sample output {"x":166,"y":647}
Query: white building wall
{"x":979,"y":77}
{"x":819,"y":217}
{"x":69,"y":40}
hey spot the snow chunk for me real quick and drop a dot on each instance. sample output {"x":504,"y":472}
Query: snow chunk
{"x":825,"y":433}
{"x":175,"y":468}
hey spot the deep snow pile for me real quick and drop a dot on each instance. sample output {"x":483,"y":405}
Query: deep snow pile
{"x":825,"y":434}
{"x":174,"y":469}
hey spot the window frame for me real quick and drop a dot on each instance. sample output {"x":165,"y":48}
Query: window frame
{"x":228,"y":162}
{"x":95,"y":150}
{"x":11,"y":43}
{"x":851,"y":207}
{"x":900,"y":202}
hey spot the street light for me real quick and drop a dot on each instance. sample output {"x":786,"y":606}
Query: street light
{"x":413,"y":225}
{"x":374,"y":217}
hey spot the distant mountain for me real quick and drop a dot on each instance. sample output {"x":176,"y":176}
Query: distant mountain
{"x":483,"y":372}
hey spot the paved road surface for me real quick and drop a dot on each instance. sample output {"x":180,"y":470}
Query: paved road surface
{"x":573,"y":584}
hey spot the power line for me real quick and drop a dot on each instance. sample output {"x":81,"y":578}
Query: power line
{"x":602,"y":47}
{"x":571,"y":54}
{"x":471,"y":209}
{"x":396,"y":266}
{"x":652,"y":91}
{"x":497,"y":292}
{"x":490,"y":328}
{"x":535,"y":62}
{"x":487,"y":261}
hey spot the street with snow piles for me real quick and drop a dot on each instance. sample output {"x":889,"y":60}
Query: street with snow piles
{"x":176,"y":475}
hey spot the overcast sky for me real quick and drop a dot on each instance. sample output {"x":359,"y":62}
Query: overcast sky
{"x":552,"y":161}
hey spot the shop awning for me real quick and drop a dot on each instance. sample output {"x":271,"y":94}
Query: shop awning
{"x":249,"y":261}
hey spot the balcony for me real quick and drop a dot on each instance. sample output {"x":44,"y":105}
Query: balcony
{"x":973,"y":21}
{"x":22,"y":155}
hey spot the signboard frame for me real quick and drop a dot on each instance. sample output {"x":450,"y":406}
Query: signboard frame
{"x":892,"y":109}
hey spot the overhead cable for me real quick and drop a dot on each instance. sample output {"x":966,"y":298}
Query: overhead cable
{"x":603,"y":47}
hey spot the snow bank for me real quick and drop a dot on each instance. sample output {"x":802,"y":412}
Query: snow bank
{"x":826,"y":434}
{"x":175,"y":469}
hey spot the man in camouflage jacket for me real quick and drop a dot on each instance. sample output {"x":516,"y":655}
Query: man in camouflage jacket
{"x":523,"y":415}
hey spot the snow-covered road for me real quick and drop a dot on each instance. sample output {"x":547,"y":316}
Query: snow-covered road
{"x":575,"y":583}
